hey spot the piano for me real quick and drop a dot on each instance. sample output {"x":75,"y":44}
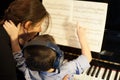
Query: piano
{"x":106,"y":64}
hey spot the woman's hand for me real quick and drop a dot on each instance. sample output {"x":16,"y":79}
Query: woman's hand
{"x":11,"y":29}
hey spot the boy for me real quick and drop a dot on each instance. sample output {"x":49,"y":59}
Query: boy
{"x":41,"y":58}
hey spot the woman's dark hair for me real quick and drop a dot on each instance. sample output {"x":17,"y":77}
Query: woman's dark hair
{"x":20,"y":11}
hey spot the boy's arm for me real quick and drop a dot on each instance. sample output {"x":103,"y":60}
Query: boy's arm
{"x":84,"y":45}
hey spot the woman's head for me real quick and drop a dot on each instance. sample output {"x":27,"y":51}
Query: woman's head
{"x":21,"y":11}
{"x":30,"y":13}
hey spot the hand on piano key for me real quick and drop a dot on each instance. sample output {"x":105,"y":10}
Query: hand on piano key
{"x":98,"y":73}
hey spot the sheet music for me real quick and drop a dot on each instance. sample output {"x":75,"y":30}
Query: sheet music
{"x":91,"y":15}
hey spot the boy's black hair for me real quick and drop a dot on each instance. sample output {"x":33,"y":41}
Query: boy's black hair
{"x":45,"y":44}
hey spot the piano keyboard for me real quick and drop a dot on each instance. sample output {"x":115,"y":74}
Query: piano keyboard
{"x":100,"y":69}
{"x":98,"y":73}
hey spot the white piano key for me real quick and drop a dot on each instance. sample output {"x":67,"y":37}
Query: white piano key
{"x":96,"y":75}
{"x":112,"y":75}
{"x":101,"y":73}
{"x":93,"y":72}
{"x":84,"y":76}
{"x":96,"y":71}
{"x":81,"y":76}
{"x":105,"y":71}
{"x":89,"y":70}
{"x":118,"y":77}
{"x":78,"y":77}
{"x":93,"y":77}
{"x":85,"y":71}
{"x":93,"y":67}
{"x":106,"y":74}
{"x":89,"y":76}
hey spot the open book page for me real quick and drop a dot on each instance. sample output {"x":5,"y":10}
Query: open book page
{"x":66,"y":13}
{"x":92,"y":16}
{"x":60,"y":12}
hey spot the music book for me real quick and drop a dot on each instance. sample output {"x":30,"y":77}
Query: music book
{"x":66,"y":13}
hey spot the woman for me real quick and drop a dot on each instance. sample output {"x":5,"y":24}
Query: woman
{"x":29,"y":14}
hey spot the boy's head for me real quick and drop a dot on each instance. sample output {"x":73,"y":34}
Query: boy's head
{"x":42,"y":53}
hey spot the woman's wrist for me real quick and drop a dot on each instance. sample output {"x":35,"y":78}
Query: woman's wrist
{"x":15,"y":45}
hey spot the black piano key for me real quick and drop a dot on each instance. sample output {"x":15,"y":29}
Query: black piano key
{"x":104,"y":73}
{"x":88,"y":72}
{"x":116,"y":75}
{"x":109,"y":73}
{"x":92,"y":74}
{"x":98,"y":72}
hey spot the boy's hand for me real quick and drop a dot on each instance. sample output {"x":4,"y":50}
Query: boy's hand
{"x":80,"y":31}
{"x":66,"y":77}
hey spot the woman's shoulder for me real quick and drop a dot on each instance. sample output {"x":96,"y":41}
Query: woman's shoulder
{"x":3,"y":34}
{"x":1,"y":27}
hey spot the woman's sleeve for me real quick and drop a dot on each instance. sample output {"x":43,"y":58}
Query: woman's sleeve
{"x":7,"y":63}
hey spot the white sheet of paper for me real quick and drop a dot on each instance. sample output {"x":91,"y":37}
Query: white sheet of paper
{"x":91,"y":15}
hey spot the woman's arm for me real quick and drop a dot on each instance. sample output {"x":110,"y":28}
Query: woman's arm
{"x":83,"y":42}
{"x":12,"y":31}
{"x":7,"y":64}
